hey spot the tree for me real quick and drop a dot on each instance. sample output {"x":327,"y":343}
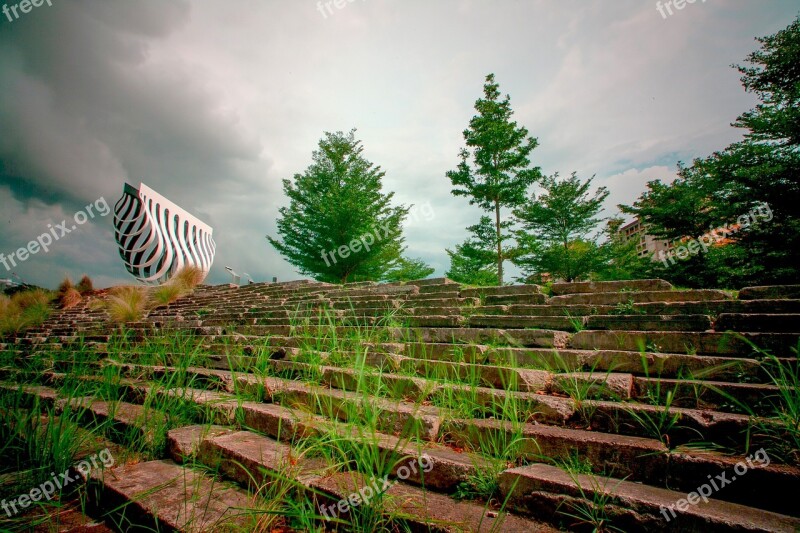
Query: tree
{"x":719,"y":190}
{"x":473,"y":262}
{"x":501,"y":173}
{"x":556,"y":228}
{"x":408,"y":270}
{"x":339,"y":225}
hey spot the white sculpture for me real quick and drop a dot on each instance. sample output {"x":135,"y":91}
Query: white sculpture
{"x":157,"y":238}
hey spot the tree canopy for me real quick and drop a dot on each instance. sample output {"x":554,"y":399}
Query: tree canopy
{"x":340,"y":226}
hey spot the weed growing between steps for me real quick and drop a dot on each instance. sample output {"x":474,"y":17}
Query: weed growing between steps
{"x":345,"y":377}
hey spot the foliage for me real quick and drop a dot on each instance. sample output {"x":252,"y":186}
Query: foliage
{"x":85,"y":285}
{"x":337,"y":204}
{"x":127,"y":304}
{"x":408,"y":270}
{"x":620,"y":258}
{"x":500,"y":173}
{"x":23,"y":310}
{"x":556,"y":226}
{"x":473,"y":262}
{"x":762,"y":168}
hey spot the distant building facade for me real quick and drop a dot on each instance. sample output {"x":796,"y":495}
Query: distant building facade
{"x":646,"y":245}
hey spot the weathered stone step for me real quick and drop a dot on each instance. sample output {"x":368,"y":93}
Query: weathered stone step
{"x":789,"y":323}
{"x":544,"y":491}
{"x":770,"y":292}
{"x":634,"y":458}
{"x":517,"y":321}
{"x":507,"y":290}
{"x":726,"y":344}
{"x":699,"y":393}
{"x":677,"y":425}
{"x":161,"y":495}
{"x":616,"y":298}
{"x":423,"y":510}
{"x":649,"y":322}
{"x":583,"y":287}
{"x":570,"y":360}
{"x":539,"y":337}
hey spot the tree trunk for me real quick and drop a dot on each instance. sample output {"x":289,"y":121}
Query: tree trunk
{"x":499,"y":243}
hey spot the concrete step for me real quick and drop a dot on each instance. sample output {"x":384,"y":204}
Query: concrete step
{"x":789,"y":323}
{"x":705,"y":343}
{"x":627,"y":298}
{"x":770,"y":292}
{"x":546,"y":491}
{"x":584,"y":287}
{"x":161,"y":495}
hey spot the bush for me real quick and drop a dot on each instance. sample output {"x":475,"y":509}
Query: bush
{"x":127,"y":304}
{"x":70,"y":299}
{"x":85,"y":285}
{"x":188,"y":278}
{"x":23,"y":310}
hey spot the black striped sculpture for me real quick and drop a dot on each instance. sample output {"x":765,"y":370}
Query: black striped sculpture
{"x":157,"y":238}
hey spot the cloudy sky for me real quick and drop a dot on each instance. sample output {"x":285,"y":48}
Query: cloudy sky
{"x":213,"y":103}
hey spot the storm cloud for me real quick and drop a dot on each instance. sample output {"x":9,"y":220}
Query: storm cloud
{"x":214,"y":103}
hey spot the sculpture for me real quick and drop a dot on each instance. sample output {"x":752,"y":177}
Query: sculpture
{"x":157,"y":237}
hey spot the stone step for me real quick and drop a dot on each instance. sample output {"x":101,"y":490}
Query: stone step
{"x":161,"y":495}
{"x":518,"y":322}
{"x":584,"y":287}
{"x":569,"y":360}
{"x":649,"y":322}
{"x":770,"y":292}
{"x":627,"y":298}
{"x":702,"y":394}
{"x":725,"y":344}
{"x":519,"y":299}
{"x":789,"y":323}
{"x":639,"y":459}
{"x":507,"y":290}
{"x":545,"y":491}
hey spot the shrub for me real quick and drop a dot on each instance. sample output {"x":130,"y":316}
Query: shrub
{"x":65,"y":285}
{"x":85,"y":285}
{"x":167,"y":293}
{"x":127,"y":304}
{"x":188,"y":277}
{"x":23,"y":310}
{"x":70,"y":298}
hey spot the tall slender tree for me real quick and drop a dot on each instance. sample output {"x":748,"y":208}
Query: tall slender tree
{"x":501,"y":170}
{"x":340,"y":226}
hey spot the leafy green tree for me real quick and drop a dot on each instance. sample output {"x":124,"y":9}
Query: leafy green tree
{"x":408,"y":269}
{"x":473,"y":262}
{"x":500,"y":173}
{"x":339,"y":225}
{"x":762,"y":168}
{"x":556,"y":227}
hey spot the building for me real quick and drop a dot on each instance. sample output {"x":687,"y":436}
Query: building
{"x":646,"y":245}
{"x":157,"y":238}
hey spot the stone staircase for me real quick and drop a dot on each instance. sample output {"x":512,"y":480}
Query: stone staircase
{"x":628,"y":405}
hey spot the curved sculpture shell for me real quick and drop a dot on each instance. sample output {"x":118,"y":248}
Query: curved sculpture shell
{"x":157,"y":237}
